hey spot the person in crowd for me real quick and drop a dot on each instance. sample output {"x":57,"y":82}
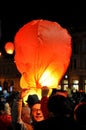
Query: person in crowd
{"x":44,"y":101}
{"x":20,"y":113}
{"x":60,"y":118}
{"x":5,"y":93}
{"x":80,"y":115}
{"x":5,"y":116}
{"x":33,"y":103}
{"x":35,"y":106}
{"x":25,"y":116}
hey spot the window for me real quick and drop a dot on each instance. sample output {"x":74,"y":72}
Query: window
{"x":75,"y":85}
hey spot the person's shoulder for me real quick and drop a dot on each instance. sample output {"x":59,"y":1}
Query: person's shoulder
{"x":29,"y":126}
{"x":49,"y":123}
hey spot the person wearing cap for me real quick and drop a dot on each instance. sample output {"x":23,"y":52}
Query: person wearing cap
{"x":36,"y":113}
{"x":35,"y":105}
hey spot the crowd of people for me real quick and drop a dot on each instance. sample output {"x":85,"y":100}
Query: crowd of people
{"x":56,"y":111}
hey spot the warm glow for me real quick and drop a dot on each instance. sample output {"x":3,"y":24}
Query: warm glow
{"x":23,"y":83}
{"x":49,"y":79}
{"x":42,"y":54}
{"x":32,"y":90}
{"x":9,"y":48}
{"x":35,"y":91}
{"x":0,"y":53}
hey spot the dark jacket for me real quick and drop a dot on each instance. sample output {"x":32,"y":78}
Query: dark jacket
{"x":56,"y":123}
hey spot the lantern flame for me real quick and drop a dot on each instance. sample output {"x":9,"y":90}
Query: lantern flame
{"x":49,"y":79}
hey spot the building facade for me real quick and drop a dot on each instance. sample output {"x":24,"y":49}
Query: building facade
{"x":9,"y":75}
{"x":75,"y":77}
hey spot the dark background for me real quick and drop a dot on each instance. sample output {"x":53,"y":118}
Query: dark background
{"x":14,"y":14}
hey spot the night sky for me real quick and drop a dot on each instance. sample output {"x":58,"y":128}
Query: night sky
{"x":14,"y":15}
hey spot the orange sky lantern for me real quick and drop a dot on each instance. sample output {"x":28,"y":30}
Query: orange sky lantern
{"x":9,"y":48}
{"x":42,"y":53}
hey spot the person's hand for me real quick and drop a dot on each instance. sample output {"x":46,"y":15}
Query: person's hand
{"x":45,"y":91}
{"x":23,"y":93}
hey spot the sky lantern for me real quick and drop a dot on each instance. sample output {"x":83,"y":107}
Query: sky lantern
{"x":9,"y":48}
{"x":42,"y":53}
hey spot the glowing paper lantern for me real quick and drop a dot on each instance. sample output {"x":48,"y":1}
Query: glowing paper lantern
{"x":9,"y":48}
{"x":42,"y":53}
{"x":32,"y":90}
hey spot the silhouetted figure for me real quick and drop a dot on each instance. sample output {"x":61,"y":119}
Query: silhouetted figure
{"x":80,"y":115}
{"x":60,"y":110}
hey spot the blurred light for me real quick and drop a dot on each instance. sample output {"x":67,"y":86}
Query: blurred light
{"x":0,"y":53}
{"x":9,"y":48}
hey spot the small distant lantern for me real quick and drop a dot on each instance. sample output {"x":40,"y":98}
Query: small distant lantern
{"x":9,"y":48}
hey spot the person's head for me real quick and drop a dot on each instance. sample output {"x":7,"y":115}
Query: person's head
{"x":26,"y":114}
{"x":59,"y":105}
{"x":35,"y":105}
{"x":80,"y":113}
{"x":7,"y":108}
{"x":36,"y":112}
